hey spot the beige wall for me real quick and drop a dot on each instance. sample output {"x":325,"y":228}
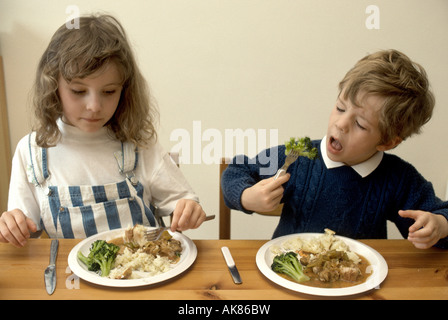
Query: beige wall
{"x":249,"y":64}
{"x":5,"y":144}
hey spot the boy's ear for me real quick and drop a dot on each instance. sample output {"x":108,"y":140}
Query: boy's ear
{"x":389,"y":145}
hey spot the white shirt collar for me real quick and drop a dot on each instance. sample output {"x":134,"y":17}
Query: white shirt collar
{"x":363,"y":169}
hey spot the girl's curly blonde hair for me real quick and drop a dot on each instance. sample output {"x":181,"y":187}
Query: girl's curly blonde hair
{"x":78,"y":53}
{"x":390,"y":74}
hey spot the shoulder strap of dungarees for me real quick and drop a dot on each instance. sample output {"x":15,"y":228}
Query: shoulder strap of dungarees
{"x":127,"y":157}
{"x":37,"y":169}
{"x":127,"y":160}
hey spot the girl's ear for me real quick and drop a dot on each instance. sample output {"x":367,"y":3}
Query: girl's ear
{"x":389,"y":145}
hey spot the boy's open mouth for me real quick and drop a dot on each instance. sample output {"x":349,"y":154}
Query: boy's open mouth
{"x":335,"y":144}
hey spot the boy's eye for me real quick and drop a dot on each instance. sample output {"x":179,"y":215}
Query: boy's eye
{"x":360,"y":126}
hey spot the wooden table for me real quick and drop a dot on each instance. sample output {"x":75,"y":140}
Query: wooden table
{"x":413,"y":274}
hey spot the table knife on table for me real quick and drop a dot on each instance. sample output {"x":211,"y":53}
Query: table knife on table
{"x":50,"y":271}
{"x":231,"y":265}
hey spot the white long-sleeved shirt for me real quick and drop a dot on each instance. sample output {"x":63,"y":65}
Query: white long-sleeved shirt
{"x":82,"y":158}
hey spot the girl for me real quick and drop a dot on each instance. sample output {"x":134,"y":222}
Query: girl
{"x":92,"y":162}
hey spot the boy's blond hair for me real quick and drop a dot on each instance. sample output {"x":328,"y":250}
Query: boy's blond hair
{"x":408,"y":101}
{"x":78,"y":53}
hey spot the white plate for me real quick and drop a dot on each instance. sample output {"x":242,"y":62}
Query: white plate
{"x":378,"y":267}
{"x":188,"y":256}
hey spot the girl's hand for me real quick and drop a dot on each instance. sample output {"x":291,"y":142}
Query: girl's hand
{"x":15,"y":227}
{"x":188,"y":214}
{"x":427,"y":229}
{"x":265,"y":195}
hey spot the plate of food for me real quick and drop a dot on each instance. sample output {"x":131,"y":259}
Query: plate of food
{"x":124,"y":257}
{"x":322,"y":264}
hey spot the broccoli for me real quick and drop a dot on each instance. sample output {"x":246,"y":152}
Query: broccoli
{"x":303,"y":146}
{"x":287,"y":263}
{"x":100,"y":258}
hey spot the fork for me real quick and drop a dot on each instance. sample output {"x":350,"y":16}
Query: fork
{"x":292,"y":156}
{"x":154,"y":234}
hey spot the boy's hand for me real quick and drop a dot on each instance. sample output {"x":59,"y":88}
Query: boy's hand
{"x":15,"y":227}
{"x":188,"y":214}
{"x":427,"y":229}
{"x":265,"y":195}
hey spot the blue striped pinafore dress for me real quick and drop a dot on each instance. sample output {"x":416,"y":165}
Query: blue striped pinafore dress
{"x":82,"y":211}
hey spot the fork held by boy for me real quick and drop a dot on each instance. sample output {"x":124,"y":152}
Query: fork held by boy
{"x":292,"y":156}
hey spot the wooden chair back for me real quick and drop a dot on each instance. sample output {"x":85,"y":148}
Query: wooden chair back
{"x":224,"y":211}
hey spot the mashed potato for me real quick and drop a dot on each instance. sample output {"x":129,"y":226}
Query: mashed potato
{"x":319,"y":244}
{"x":139,"y":261}
{"x":141,"y":258}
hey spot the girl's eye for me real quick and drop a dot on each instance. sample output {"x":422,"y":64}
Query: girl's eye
{"x":109,"y":92}
{"x":339,"y":109}
{"x":78,"y":92}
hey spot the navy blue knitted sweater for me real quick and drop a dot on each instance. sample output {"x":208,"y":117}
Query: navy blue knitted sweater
{"x":340,"y":199}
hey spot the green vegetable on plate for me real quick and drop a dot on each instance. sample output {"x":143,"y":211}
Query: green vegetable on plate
{"x":287,"y":263}
{"x":100,"y":258}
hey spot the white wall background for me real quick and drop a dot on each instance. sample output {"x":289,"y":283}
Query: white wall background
{"x":249,"y":64}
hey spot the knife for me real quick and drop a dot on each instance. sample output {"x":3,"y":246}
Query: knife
{"x":231,"y":265}
{"x":50,"y":271}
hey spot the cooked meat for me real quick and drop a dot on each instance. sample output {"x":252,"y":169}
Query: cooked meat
{"x":125,"y":273}
{"x":305,"y":260}
{"x":328,"y":275}
{"x":165,"y":248}
{"x":350,"y":274}
{"x":333,"y":266}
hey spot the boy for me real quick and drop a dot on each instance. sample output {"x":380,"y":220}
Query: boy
{"x":353,"y":187}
